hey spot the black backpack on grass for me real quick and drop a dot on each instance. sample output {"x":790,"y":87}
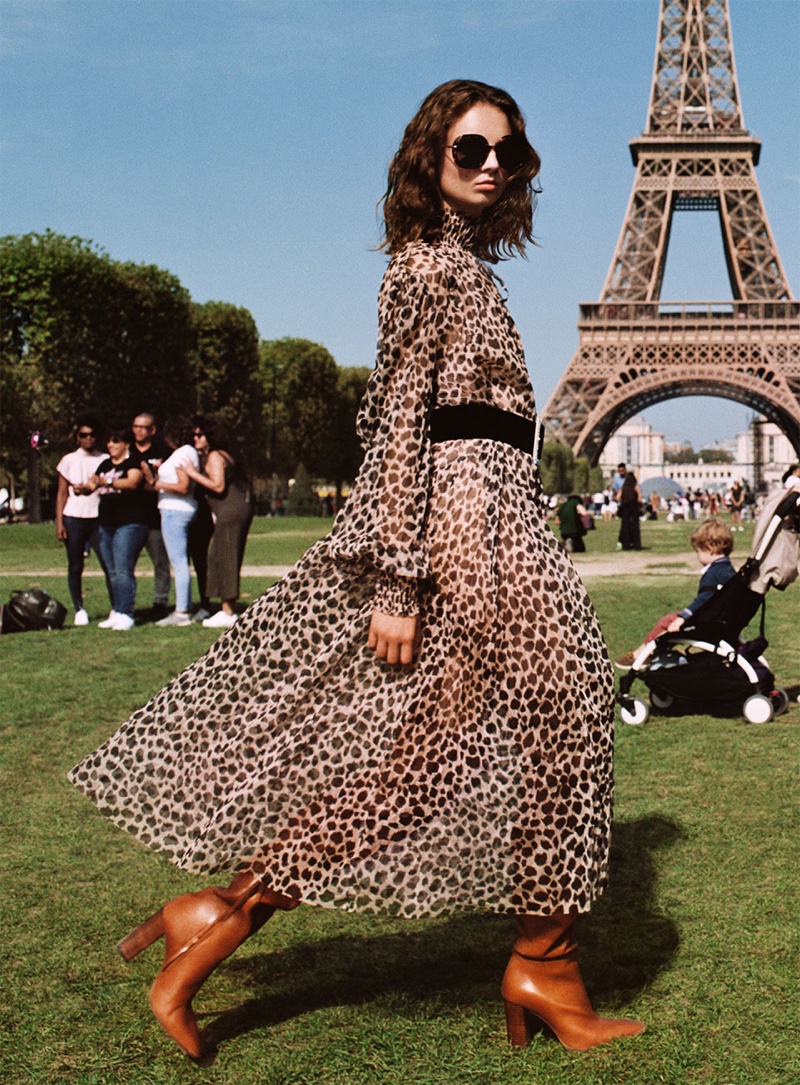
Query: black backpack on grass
{"x":31,"y":609}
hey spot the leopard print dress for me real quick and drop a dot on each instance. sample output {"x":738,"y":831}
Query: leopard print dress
{"x":477,"y":777}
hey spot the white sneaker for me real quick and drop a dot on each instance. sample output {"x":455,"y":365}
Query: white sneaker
{"x":201,"y":614}
{"x":177,"y":617}
{"x":108,"y":623}
{"x":81,"y":617}
{"x":220,"y":620}
{"x":122,"y":623}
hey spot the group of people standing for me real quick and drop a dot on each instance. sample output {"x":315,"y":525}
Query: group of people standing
{"x":179,"y":498}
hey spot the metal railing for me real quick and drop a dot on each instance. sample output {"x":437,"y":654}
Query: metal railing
{"x":691,"y":312}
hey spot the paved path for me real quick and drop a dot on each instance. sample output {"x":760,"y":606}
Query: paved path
{"x":630,"y":563}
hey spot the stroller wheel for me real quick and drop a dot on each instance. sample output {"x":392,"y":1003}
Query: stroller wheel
{"x":780,"y":701}
{"x":758,"y":709}
{"x":634,"y":712}
{"x":661,"y":700}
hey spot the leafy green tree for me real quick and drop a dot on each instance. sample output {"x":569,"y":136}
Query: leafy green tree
{"x":714,"y":455}
{"x":562,"y":473}
{"x":82,"y":332}
{"x":302,"y":500}
{"x":348,"y":452}
{"x":300,"y":384}
{"x":684,"y":454}
{"x":556,"y":468}
{"x":224,"y":362}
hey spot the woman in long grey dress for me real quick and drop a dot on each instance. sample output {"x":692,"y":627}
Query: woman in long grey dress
{"x":418,"y":717}
{"x":231,"y":512}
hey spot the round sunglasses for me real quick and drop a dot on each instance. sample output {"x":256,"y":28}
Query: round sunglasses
{"x":471,"y":151}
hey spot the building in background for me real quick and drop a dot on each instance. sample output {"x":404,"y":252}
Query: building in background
{"x":760,"y":455}
{"x":767,"y":453}
{"x":638,"y":446}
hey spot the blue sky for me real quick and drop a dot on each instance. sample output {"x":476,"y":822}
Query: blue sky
{"x":243,"y":146}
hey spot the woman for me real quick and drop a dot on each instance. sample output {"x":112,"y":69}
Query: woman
{"x":77,"y":524}
{"x":630,"y":504}
{"x":231,"y":514}
{"x":177,"y":508}
{"x":469,"y":764}
{"x":123,"y":525}
{"x":569,"y":519}
{"x":201,"y":529}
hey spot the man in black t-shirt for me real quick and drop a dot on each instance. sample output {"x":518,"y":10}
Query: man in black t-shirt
{"x":152,"y":452}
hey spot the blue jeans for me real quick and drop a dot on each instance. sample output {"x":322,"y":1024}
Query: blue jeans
{"x":120,"y":547}
{"x":81,"y":532}
{"x":175,"y":532}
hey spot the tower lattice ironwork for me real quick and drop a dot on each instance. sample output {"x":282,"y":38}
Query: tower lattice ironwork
{"x":636,"y":350}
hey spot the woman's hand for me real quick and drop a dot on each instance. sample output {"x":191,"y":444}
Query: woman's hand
{"x":394,"y":639}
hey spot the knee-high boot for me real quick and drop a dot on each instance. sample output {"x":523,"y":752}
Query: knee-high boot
{"x":542,"y":979}
{"x":200,"y":930}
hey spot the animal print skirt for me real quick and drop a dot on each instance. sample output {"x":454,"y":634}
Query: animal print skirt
{"x":478,"y":777}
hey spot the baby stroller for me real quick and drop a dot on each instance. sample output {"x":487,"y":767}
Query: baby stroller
{"x":705,"y":663}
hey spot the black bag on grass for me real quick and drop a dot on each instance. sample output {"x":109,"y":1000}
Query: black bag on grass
{"x":31,"y":609}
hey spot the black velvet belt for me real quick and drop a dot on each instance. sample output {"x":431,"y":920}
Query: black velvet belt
{"x":475,"y":421}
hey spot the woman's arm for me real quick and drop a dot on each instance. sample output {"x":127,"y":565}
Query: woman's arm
{"x":214,"y":477}
{"x":182,"y":486}
{"x":61,"y":500}
{"x":132,"y":481}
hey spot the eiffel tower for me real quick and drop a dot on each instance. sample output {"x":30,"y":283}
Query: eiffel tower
{"x":636,"y":350}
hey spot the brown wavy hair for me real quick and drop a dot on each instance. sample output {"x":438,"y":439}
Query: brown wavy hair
{"x":413,"y":208}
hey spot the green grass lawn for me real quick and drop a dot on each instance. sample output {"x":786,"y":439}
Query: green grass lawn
{"x":696,"y":935}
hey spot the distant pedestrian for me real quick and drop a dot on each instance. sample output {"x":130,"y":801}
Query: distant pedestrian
{"x":123,"y":524}
{"x":177,"y":507}
{"x":630,"y":509}
{"x":77,"y":508}
{"x":231,"y":511}
{"x":568,"y":518}
{"x":151,"y":451}
{"x":736,"y":504}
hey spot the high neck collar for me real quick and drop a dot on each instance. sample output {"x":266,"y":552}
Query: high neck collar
{"x":458,"y":230}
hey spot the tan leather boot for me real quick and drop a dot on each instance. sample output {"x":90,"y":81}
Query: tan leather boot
{"x":542,"y":979}
{"x":200,"y":930}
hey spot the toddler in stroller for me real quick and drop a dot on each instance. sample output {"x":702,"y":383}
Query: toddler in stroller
{"x":712,"y":542}
{"x":698,"y":658}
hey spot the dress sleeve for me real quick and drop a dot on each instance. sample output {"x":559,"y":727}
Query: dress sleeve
{"x":382,"y":526}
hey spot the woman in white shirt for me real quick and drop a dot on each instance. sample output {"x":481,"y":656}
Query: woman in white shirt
{"x":177,"y":507}
{"x":77,"y":508}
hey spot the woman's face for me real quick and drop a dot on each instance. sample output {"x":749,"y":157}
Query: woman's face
{"x":200,"y":442}
{"x":117,"y":448}
{"x":473,"y":191}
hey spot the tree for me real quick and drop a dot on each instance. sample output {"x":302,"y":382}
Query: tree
{"x":348,"y":451}
{"x":562,"y":473}
{"x":300,"y":384}
{"x":81,"y":331}
{"x":684,"y":454}
{"x":302,"y":499}
{"x":556,"y":468}
{"x":714,"y":455}
{"x":224,"y":362}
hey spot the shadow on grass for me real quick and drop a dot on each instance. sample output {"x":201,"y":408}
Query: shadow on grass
{"x":460,"y":960}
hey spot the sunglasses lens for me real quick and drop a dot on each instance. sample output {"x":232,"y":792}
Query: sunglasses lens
{"x":511,"y":152}
{"x":470,"y":152}
{"x":86,"y":435}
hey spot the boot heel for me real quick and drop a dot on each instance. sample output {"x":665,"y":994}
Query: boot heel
{"x":517,"y":1026}
{"x":143,"y":936}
